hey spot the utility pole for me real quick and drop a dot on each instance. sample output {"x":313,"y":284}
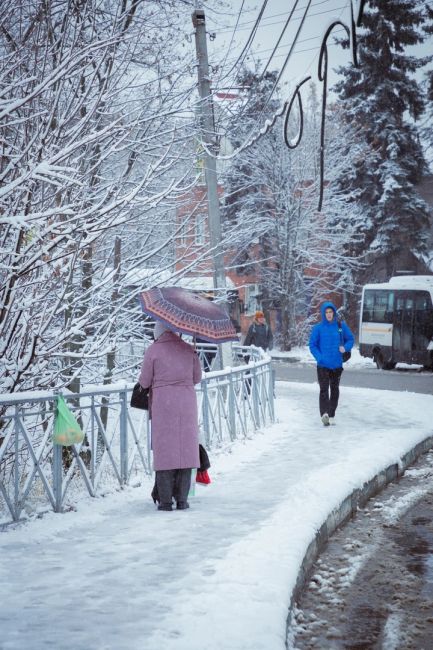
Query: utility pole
{"x":210,"y":142}
{"x":207,"y":124}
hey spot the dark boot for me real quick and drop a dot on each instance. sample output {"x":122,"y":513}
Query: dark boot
{"x":154,"y":494}
{"x":164,"y":480}
{"x":182,"y":484}
{"x":165,"y":506}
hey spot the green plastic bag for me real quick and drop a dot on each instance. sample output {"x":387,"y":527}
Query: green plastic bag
{"x":191,"y":492}
{"x":66,"y":430}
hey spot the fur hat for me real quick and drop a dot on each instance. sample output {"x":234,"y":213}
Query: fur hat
{"x":259,"y":314}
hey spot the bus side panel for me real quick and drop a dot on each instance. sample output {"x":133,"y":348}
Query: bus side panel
{"x":373,"y":335}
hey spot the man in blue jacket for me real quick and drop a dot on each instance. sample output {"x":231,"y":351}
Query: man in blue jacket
{"x":328,"y":341}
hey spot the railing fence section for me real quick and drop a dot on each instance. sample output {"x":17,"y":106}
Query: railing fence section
{"x":36,"y":475}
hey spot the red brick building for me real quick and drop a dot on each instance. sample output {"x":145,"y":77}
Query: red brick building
{"x":192,"y":249}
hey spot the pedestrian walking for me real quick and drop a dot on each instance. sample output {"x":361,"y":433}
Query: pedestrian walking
{"x":259,"y":333}
{"x":329,"y":340}
{"x":170,"y":369}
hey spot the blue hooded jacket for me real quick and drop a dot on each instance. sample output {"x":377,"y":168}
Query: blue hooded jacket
{"x":325,"y":340}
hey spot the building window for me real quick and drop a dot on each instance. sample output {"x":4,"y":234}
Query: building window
{"x":199,"y":230}
{"x":251,"y":301}
{"x":182,"y":234}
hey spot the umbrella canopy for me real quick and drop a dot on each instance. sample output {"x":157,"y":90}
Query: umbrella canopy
{"x":184,"y":311}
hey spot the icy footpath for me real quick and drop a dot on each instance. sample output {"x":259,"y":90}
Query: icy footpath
{"x":118,"y":575}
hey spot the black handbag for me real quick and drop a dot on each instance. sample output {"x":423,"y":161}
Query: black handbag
{"x":204,"y":459}
{"x":345,"y":355}
{"x":140,"y":397}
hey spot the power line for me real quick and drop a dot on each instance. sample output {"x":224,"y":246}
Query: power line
{"x":242,"y":57}
{"x":318,"y":13}
{"x":269,"y":124}
{"x":277,"y":81}
{"x":289,"y":18}
{"x":244,"y":107}
{"x":227,"y":28}
{"x":288,"y":104}
{"x":231,"y":41}
{"x":304,"y":40}
{"x":250,"y":37}
{"x":279,"y":40}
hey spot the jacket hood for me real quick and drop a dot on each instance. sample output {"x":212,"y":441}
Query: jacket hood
{"x":326,"y":305}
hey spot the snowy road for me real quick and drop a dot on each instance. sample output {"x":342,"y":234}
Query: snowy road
{"x":118,"y":575}
{"x":400,"y":379}
{"x":372,"y":587}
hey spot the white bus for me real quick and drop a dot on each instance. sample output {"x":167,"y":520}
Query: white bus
{"x":396,"y":321}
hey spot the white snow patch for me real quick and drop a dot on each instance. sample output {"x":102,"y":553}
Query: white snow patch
{"x":221,"y":574}
{"x":392,"y":632}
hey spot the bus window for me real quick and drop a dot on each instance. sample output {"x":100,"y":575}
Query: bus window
{"x":367,"y":312}
{"x":378,"y":306}
{"x":422,"y":301}
{"x":399,"y":303}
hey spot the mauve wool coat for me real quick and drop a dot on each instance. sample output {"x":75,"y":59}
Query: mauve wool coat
{"x":171,"y":368}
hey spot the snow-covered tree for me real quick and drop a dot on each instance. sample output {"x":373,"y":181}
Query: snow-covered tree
{"x":274,"y":226}
{"x":92,"y":148}
{"x":382,"y":100}
{"x":427,"y":131}
{"x":243,"y":198}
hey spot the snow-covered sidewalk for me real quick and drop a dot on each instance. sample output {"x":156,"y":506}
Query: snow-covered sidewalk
{"x":118,"y":575}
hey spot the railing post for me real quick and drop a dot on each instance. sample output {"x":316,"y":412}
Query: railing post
{"x":93,"y":442}
{"x":271,"y":393}
{"x":57,"y":477}
{"x":205,"y":411}
{"x":232,"y":409}
{"x":17,"y":506}
{"x":123,"y":436}
{"x":256,"y":397}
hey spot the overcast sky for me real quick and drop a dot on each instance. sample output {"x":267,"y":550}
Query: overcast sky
{"x":228,"y":44}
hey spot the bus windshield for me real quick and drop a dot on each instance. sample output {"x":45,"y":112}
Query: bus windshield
{"x":378,"y":306}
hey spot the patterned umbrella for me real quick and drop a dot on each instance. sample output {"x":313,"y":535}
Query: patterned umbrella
{"x":184,"y":311}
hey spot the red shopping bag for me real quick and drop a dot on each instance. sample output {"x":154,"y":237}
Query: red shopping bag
{"x":203,"y":477}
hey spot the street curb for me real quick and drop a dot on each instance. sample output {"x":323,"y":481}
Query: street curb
{"x":346,"y":510}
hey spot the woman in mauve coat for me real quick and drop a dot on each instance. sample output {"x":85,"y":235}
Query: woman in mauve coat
{"x":171,"y":368}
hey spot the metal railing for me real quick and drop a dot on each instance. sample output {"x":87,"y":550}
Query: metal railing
{"x":36,"y":475}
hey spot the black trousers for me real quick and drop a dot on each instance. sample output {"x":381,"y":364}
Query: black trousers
{"x":173,"y":484}
{"x":329,"y":382}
